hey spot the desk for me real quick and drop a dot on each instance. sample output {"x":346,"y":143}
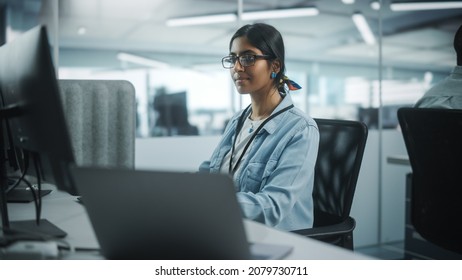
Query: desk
{"x":415,"y":246}
{"x":62,"y":210}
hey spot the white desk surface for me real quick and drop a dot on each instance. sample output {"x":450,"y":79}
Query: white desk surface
{"x":62,"y":210}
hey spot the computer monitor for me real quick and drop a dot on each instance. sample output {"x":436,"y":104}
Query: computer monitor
{"x":172,"y":112}
{"x":32,"y":109}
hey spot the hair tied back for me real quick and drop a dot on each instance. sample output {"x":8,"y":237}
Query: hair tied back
{"x":290,"y":84}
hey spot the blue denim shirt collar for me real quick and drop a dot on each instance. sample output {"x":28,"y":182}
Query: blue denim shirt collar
{"x":273,"y":124}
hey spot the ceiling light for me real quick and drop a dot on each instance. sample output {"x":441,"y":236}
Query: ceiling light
{"x":208,"y":19}
{"x":348,"y":2}
{"x":375,"y":5}
{"x":364,"y":29}
{"x":415,"y":6}
{"x":255,"y":15}
{"x":81,"y":30}
{"x":280,"y":13}
{"x":126,"y":57}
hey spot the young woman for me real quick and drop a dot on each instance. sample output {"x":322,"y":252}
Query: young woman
{"x":269,"y":148}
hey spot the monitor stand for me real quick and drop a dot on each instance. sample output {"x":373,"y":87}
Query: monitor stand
{"x":22,"y":195}
{"x":18,"y":230}
{"x":29,"y":229}
{"x":24,"y":230}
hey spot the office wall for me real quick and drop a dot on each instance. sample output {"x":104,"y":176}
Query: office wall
{"x":187,"y":153}
{"x":365,"y":203}
{"x":393,"y":188}
{"x":367,"y":207}
{"x":174,"y":153}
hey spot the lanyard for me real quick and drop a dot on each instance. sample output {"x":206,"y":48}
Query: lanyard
{"x":240,"y":124}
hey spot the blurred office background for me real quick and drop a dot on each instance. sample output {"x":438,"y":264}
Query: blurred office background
{"x":182,"y":89}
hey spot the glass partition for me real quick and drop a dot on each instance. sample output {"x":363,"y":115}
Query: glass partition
{"x":326,"y":54}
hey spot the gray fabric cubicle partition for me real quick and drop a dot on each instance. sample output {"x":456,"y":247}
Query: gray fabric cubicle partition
{"x":101,"y":116}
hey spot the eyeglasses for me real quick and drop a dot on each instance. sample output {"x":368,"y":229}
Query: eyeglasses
{"x":245,"y":60}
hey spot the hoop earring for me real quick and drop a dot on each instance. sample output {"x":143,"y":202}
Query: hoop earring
{"x":273,"y":75}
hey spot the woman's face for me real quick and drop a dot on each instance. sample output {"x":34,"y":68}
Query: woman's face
{"x":250,"y":79}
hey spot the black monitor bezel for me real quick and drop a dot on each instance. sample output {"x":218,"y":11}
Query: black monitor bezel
{"x":28,"y":82}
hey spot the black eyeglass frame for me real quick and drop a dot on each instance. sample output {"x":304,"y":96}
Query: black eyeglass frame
{"x":239,"y":57}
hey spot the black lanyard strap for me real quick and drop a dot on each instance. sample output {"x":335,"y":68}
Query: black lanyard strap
{"x":238,"y":129}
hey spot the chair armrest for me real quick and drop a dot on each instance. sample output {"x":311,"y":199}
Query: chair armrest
{"x":344,"y":227}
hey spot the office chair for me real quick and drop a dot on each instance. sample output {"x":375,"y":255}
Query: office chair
{"x":433,"y":139}
{"x":101,"y":118}
{"x":341,"y":149}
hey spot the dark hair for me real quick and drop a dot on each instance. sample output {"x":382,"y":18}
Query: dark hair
{"x":458,"y":45}
{"x":269,"y":41}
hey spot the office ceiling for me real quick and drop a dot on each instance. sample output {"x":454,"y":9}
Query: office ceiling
{"x":410,"y":39}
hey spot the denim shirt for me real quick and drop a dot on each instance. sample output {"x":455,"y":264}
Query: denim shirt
{"x":274,"y":182}
{"x":447,"y":94}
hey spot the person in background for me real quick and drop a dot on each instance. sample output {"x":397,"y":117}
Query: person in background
{"x":448,"y":93}
{"x":270,"y":147}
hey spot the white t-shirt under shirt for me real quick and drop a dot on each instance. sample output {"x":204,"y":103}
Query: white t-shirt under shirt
{"x":248,"y":129}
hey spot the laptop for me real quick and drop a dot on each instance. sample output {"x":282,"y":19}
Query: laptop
{"x":167,"y":215}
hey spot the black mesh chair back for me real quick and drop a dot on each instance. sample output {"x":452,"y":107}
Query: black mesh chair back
{"x":433,"y":139}
{"x":341,"y":149}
